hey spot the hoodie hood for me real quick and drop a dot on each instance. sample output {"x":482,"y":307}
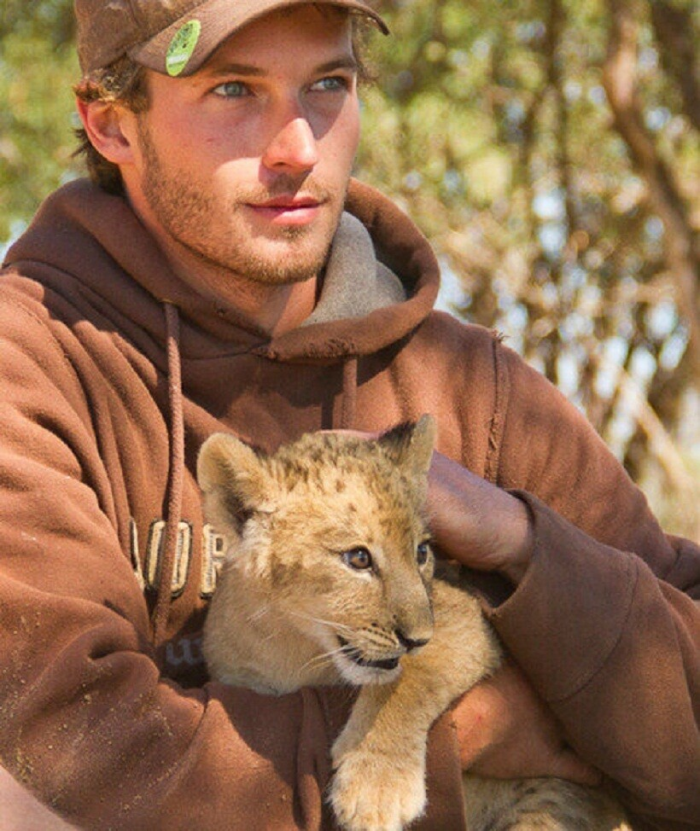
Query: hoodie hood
{"x":380,"y":282}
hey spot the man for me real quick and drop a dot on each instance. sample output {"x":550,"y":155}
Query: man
{"x":226,"y":274}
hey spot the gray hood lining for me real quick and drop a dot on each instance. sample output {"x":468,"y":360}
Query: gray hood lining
{"x":355,"y":282}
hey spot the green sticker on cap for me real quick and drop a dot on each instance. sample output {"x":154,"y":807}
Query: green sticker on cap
{"x":181,"y":47}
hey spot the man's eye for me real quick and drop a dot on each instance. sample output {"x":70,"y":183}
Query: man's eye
{"x":231,"y":89}
{"x":334,"y":83}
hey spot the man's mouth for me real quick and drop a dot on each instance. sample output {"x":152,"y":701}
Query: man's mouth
{"x":353,"y":654}
{"x":290,"y":202}
{"x":288,"y":210}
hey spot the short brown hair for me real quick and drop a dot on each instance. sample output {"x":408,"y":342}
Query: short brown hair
{"x":123,"y":82}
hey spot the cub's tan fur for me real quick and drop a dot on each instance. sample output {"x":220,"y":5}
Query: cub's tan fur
{"x":329,"y":580}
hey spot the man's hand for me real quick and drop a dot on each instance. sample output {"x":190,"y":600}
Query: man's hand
{"x":477,"y":523}
{"x":505,"y":731}
{"x":21,"y":811}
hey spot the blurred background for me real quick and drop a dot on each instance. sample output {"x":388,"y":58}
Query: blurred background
{"x":550,"y":150}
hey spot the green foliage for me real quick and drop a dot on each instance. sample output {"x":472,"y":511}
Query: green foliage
{"x":492,"y":124}
{"x":35,"y":125}
{"x":37,"y":70}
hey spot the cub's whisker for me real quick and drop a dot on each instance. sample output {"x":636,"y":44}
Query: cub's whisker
{"x":257,"y":614}
{"x":322,"y":658}
{"x":338,"y":627}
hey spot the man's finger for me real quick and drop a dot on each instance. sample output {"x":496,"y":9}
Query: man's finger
{"x":568,"y":765}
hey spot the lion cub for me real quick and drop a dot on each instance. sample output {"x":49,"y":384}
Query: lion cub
{"x":329,"y":580}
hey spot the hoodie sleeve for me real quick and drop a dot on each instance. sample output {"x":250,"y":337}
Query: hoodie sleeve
{"x":86,"y":721}
{"x":606,"y":622}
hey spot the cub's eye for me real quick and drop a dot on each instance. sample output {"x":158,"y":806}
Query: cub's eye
{"x":422,"y":553}
{"x":357,"y":558}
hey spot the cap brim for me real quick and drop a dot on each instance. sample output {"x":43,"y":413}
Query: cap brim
{"x":218,"y":20}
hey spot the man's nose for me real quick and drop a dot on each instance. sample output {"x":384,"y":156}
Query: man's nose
{"x":293,"y":147}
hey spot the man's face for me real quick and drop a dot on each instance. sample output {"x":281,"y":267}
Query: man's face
{"x":245,"y":164}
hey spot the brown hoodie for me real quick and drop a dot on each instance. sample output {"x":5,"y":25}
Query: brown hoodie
{"x":113,"y":373}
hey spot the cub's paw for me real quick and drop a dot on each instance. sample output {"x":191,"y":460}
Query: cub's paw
{"x":370,"y":792}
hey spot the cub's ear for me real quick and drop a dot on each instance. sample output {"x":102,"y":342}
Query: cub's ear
{"x":234,"y":481}
{"x":412,"y":444}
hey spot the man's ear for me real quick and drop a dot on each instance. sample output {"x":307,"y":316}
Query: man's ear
{"x":110,"y":129}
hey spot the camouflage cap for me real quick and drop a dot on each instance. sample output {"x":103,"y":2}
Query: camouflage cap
{"x":174,"y":37}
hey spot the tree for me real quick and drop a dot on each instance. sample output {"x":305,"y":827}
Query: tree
{"x":37,"y":68}
{"x":550,"y":150}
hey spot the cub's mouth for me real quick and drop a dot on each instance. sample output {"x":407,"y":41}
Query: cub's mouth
{"x":354,"y":655}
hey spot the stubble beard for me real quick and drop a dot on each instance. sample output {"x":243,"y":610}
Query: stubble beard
{"x":188,"y":214}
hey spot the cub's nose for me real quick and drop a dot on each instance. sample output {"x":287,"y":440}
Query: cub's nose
{"x":409,"y":644}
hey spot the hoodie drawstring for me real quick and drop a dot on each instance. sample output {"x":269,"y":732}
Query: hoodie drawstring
{"x":349,"y":403}
{"x":174,"y":492}
{"x":175,"y":476}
